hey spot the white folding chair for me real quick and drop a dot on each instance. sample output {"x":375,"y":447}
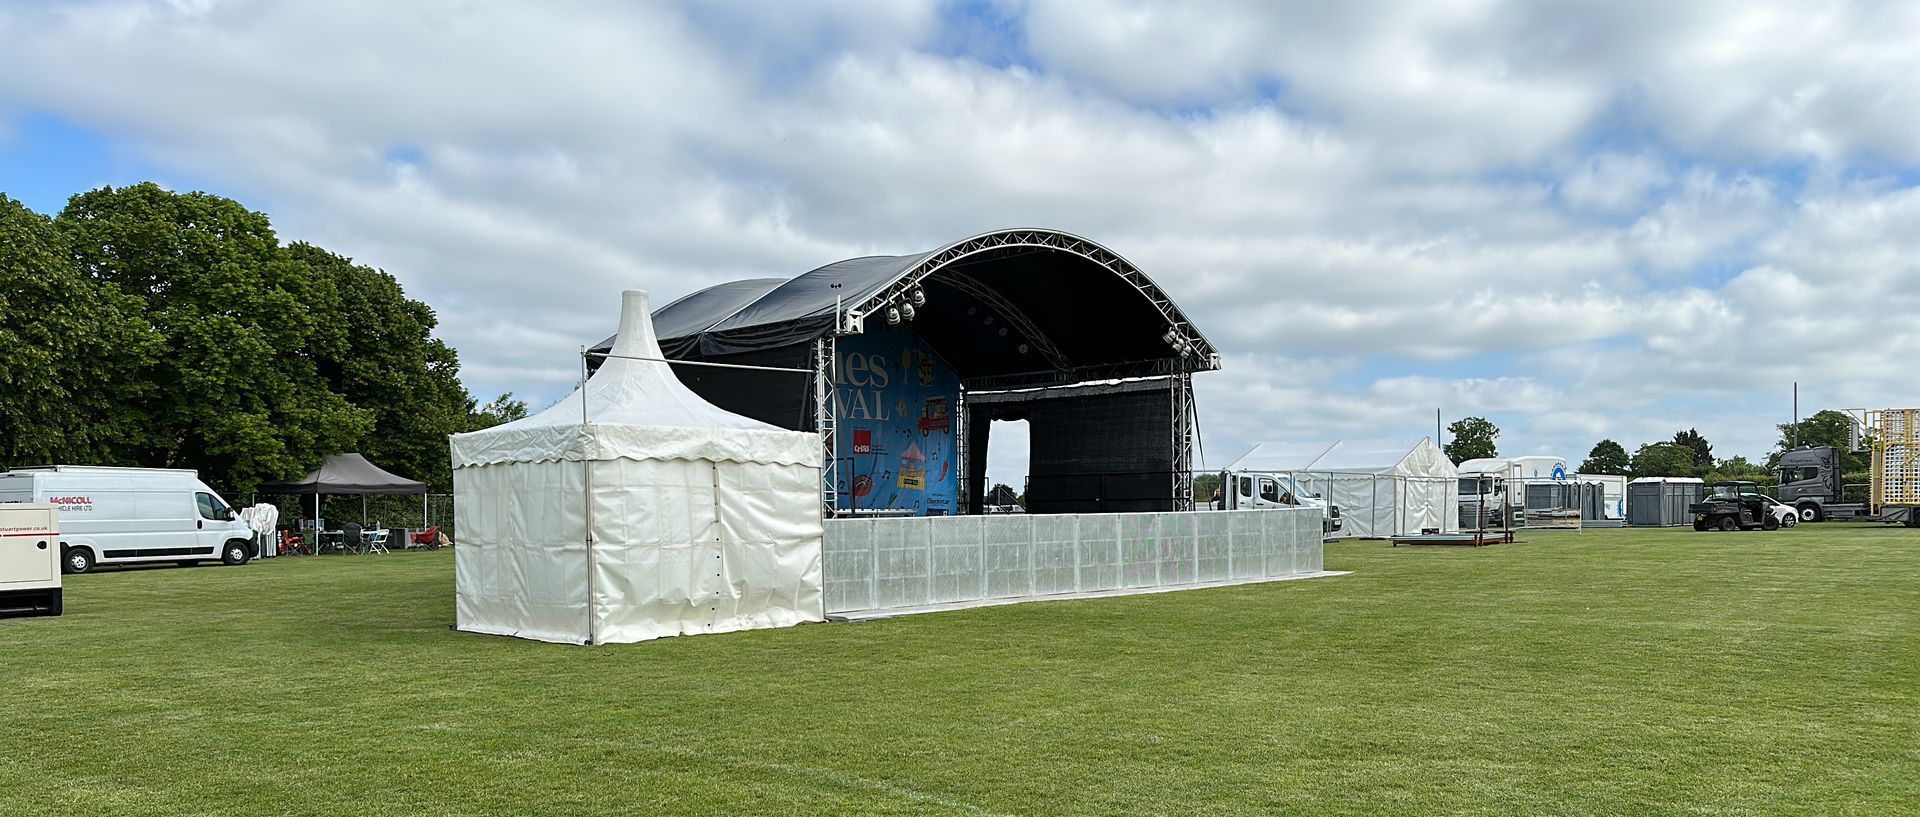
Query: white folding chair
{"x":377,"y":541}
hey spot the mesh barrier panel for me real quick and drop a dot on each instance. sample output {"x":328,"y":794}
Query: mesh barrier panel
{"x":1008,"y":544}
{"x":883,"y":564}
{"x":1097,"y":538}
{"x":1056,"y":557}
{"x":1210,"y":541}
{"x":903,"y":569}
{"x":848,"y":552}
{"x":958,"y":571}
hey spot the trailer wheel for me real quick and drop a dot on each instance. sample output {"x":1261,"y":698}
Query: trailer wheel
{"x":76,"y":560}
{"x":1728,"y":523}
{"x":1770,"y":523}
{"x":1810,"y":512}
{"x":1697,"y":525}
{"x":235,"y":553}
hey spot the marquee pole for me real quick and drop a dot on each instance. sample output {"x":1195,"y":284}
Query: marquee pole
{"x":586,"y":486}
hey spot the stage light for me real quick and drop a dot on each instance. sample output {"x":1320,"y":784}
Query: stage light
{"x":893,"y":316}
{"x":1003,"y":331}
{"x":1169,"y":338}
{"x":1023,"y":348}
{"x":988,"y":321}
{"x":906,"y":311}
{"x":918,"y":297}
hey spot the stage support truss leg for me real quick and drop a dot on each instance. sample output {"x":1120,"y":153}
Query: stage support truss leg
{"x":1180,"y":387}
{"x":826,"y":423}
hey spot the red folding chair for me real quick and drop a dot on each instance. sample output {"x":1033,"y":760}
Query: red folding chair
{"x":429,"y":538}
{"x":291,"y":542}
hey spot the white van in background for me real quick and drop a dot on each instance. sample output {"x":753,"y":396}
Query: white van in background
{"x":132,"y":515}
{"x":1253,"y":490}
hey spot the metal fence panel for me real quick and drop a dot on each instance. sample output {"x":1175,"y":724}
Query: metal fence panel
{"x":959,"y":572}
{"x":1243,"y":540}
{"x":1139,"y":549}
{"x":1055,"y":555}
{"x":903,"y":574}
{"x":1097,"y":538}
{"x":1009,"y":554}
{"x":1176,"y":548}
{"x":1214,"y":556}
{"x":882,"y":564}
{"x":847,"y":552}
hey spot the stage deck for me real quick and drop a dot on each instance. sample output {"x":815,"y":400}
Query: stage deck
{"x":1468,"y":539}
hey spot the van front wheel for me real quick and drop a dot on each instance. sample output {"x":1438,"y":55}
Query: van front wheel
{"x":235,"y":553}
{"x":76,"y":560}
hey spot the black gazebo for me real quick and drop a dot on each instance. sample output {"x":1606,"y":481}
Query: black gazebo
{"x":349,"y":475}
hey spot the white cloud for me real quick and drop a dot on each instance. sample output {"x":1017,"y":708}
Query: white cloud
{"x":1581,"y":220}
{"x":1613,"y":182}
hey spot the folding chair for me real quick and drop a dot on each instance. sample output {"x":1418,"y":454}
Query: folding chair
{"x":429,"y":538}
{"x":377,"y":541}
{"x":292,"y":542}
{"x":352,"y":539}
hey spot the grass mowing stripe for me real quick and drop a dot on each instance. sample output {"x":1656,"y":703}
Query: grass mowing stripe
{"x":1603,"y":672}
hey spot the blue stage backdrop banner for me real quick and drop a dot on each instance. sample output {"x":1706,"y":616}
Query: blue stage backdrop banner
{"x":896,"y":410}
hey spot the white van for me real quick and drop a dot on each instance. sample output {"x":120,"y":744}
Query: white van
{"x":132,"y":515}
{"x":1252,"y":490}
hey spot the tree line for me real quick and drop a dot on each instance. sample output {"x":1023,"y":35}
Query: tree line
{"x":1687,"y":454}
{"x":144,"y":327}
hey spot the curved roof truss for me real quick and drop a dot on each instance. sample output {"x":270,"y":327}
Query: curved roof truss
{"x":959,"y":253}
{"x":1057,"y":308}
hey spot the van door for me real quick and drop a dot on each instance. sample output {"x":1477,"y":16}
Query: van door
{"x":211,"y":521}
{"x":1243,"y":497}
{"x":1269,"y":492}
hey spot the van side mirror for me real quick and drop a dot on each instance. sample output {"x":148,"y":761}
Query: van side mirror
{"x":231,"y":515}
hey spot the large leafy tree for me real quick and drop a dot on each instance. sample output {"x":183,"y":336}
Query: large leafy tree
{"x":375,"y":347}
{"x":1663,"y":460}
{"x":1826,"y":427}
{"x":74,"y":364}
{"x":503,"y":409}
{"x":1702,"y":450}
{"x":237,"y":392}
{"x":1607,"y":457}
{"x":1205,"y":486}
{"x":1472,"y":439}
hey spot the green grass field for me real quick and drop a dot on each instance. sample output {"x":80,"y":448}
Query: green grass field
{"x":1605,"y":672}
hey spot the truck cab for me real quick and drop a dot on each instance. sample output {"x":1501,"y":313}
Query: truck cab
{"x":1810,"y":481}
{"x":1243,"y":491}
{"x":1494,"y":490}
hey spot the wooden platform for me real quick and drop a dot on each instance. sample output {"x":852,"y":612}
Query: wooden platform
{"x":1470,"y":539}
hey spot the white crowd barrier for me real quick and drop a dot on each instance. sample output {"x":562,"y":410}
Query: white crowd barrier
{"x":883,"y":564}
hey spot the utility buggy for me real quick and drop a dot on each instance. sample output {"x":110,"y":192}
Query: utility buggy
{"x":1739,"y":505}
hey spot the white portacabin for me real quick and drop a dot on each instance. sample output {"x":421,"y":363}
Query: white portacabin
{"x":29,"y":559}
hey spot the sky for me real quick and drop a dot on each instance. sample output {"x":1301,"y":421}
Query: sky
{"x":1579,"y":220}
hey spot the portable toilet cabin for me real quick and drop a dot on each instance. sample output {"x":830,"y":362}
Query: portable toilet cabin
{"x":1661,"y":502}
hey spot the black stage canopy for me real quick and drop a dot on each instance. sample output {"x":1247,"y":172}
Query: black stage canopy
{"x":1008,"y":309}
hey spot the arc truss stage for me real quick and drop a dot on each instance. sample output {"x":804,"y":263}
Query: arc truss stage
{"x":902,"y":362}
